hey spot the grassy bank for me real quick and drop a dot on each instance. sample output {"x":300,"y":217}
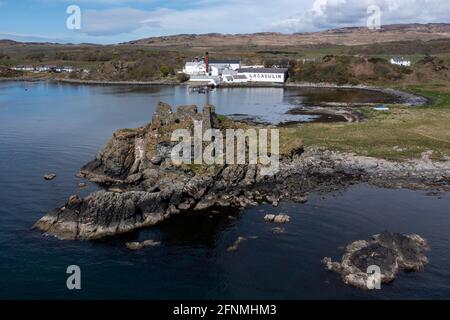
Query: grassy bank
{"x":402,"y":133}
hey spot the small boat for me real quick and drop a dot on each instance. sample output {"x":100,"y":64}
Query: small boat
{"x":201,"y":90}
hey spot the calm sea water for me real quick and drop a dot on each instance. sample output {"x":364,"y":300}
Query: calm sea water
{"x":58,"y":128}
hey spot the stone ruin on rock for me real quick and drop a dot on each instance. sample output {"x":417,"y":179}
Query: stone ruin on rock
{"x":183,"y":117}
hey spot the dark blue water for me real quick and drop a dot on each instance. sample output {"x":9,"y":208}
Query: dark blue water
{"x":58,"y":128}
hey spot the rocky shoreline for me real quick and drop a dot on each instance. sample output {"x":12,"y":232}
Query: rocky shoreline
{"x":410,"y":99}
{"x":142,"y":187}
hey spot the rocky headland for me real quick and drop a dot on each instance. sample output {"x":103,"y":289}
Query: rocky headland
{"x":142,"y":187}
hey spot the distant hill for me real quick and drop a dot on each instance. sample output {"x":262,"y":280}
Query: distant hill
{"x":7,"y":42}
{"x":343,"y":36}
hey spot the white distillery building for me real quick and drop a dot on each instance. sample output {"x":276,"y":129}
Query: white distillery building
{"x":278,"y":75}
{"x":23,"y":68}
{"x":400,"y":62}
{"x":216,"y":67}
{"x":213,"y":68}
{"x":195,"y":68}
{"x":205,"y":79}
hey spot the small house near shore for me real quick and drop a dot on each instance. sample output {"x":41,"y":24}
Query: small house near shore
{"x":400,"y":61}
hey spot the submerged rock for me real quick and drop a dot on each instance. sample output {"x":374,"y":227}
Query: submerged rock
{"x":273,"y":200}
{"x":280,"y":218}
{"x":50,"y":176}
{"x":278,"y":230}
{"x":236,"y":244}
{"x":134,"y":245}
{"x":390,"y":252}
{"x":269,"y":217}
{"x":141,"y":245}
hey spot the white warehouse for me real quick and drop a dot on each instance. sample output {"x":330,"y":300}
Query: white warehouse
{"x":218,"y":66}
{"x":278,"y":75}
{"x":210,"y":67}
{"x":195,"y":68}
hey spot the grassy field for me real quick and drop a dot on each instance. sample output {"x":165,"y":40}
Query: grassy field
{"x":402,"y":133}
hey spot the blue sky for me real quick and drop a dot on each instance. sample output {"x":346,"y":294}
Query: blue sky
{"x":113,"y":21}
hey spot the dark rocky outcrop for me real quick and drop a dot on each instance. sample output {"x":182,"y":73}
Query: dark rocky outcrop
{"x":144,"y":187}
{"x":391,"y":252}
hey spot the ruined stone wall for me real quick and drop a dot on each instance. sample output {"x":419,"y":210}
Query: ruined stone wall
{"x":183,"y":117}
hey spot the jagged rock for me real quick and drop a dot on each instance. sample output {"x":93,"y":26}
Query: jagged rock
{"x":206,"y":203}
{"x":236,"y":244}
{"x":134,"y":245}
{"x":104,"y":214}
{"x":156,"y":160}
{"x":269,"y":217}
{"x":391,"y":252}
{"x":82,"y":185}
{"x":50,"y":176}
{"x":151,"y":243}
{"x":273,"y":200}
{"x":141,"y":245}
{"x":281,"y":218}
{"x":74,"y":201}
{"x":300,"y":199}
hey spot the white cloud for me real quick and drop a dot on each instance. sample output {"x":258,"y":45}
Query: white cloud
{"x":232,"y":16}
{"x":105,"y":2}
{"x":326,"y":14}
{"x":117,"y":21}
{"x":244,"y":16}
{"x":123,"y":21}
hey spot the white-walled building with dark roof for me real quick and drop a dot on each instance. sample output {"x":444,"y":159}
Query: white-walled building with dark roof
{"x":195,"y":68}
{"x":215,"y":67}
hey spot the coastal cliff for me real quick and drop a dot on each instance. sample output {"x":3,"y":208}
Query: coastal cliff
{"x":143,"y":187}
